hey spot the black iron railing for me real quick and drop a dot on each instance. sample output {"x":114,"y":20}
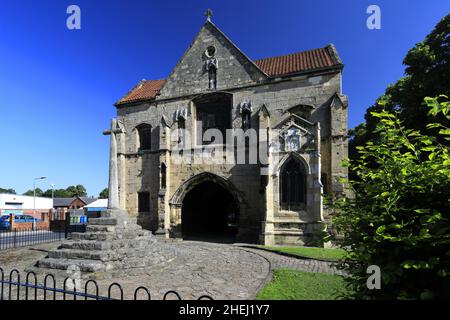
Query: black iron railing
{"x":13,"y":289}
{"x":57,"y":230}
{"x":21,"y":238}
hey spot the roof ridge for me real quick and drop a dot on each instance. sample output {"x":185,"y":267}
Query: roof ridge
{"x":282,"y":65}
{"x":130,"y":91}
{"x":292,"y":53}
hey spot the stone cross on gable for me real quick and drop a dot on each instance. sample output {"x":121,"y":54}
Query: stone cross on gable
{"x":208,"y":14}
{"x":113,"y":185}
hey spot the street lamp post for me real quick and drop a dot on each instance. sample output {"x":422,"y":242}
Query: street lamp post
{"x":53,"y":189}
{"x":34,"y":200}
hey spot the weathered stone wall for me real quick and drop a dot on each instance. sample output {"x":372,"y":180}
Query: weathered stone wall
{"x":239,"y":77}
{"x":190,"y":76}
{"x":143,"y":168}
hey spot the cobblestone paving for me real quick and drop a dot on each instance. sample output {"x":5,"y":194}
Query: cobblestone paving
{"x":221,"y":271}
{"x":309,"y":265}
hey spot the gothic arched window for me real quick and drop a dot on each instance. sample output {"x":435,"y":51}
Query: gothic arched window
{"x":163,"y":176}
{"x":145,"y":137}
{"x":292,"y":184}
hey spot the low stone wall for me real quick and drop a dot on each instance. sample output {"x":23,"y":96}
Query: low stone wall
{"x":24,"y":226}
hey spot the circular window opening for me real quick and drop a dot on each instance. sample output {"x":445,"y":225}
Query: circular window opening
{"x":210,"y":51}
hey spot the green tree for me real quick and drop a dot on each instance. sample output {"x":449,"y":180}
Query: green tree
{"x":61,"y":193}
{"x":427,"y":73}
{"x":39,"y":192}
{"x":77,"y":191}
{"x":57,"y":193}
{"x":9,"y":191}
{"x":104,"y":194}
{"x":399,"y":218}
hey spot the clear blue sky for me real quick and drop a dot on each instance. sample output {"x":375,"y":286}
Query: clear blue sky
{"x":57,"y":86}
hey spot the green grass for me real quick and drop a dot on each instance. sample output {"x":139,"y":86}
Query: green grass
{"x":315,"y":253}
{"x":298,"y":285}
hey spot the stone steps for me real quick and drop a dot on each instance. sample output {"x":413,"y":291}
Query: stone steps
{"x":79,"y":254}
{"x":110,"y":243}
{"x":69,"y":264}
{"x":139,"y":242}
{"x":86,"y":245}
{"x":100,"y":228}
{"x":109,"y":221}
{"x":288,"y":232}
{"x":110,"y":236}
{"x":109,"y":228}
{"x":102,"y":255}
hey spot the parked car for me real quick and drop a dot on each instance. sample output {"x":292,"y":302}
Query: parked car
{"x":5,"y":224}
{"x":25,"y":218}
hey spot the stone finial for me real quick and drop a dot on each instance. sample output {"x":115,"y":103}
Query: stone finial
{"x":208,"y":14}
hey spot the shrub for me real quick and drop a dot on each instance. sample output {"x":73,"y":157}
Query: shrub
{"x":398,"y":217}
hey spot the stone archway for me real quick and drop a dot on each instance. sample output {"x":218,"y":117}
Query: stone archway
{"x":206,"y":207}
{"x":210,"y":212}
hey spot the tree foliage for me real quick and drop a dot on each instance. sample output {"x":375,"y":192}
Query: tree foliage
{"x":427,"y":74}
{"x":399,"y":218}
{"x":9,"y":191}
{"x":77,"y":191}
{"x":69,"y":192}
{"x":39,"y":192}
{"x":57,"y":193}
{"x":104,"y":194}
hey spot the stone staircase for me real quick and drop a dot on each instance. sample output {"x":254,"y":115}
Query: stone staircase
{"x":291,"y":229}
{"x":109,"y":243}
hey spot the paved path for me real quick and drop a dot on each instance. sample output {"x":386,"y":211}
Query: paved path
{"x":221,"y":271}
{"x":279,"y":261}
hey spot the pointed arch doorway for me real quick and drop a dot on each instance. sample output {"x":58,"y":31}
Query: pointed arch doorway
{"x":209,"y":209}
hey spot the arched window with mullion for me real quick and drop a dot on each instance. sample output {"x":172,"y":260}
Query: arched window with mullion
{"x":292,"y":184}
{"x":163,"y":176}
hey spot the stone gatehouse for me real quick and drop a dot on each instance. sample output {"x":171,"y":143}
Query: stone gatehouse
{"x":294,"y":105}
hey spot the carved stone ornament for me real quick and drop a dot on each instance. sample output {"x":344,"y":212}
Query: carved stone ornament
{"x":292,"y":140}
{"x":245,"y":106}
{"x":210,"y":63}
{"x":181,"y":114}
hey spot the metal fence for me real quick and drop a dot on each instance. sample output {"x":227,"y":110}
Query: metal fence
{"x":58,"y":230}
{"x":21,"y":238}
{"x":13,"y":289}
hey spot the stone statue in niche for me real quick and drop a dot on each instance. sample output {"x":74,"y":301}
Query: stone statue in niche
{"x":181,"y":114}
{"x":245,"y":108}
{"x":293,"y":140}
{"x":211,"y":65}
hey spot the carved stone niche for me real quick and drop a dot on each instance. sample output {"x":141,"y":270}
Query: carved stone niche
{"x":293,"y":140}
{"x":245,"y":109}
{"x":211,"y":60}
{"x":294,"y":134}
{"x":245,"y":106}
{"x":211,"y":65}
{"x":181,"y":114}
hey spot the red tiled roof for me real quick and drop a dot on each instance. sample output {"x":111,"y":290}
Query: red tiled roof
{"x":298,"y":62}
{"x":275,"y":66}
{"x":145,"y":90}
